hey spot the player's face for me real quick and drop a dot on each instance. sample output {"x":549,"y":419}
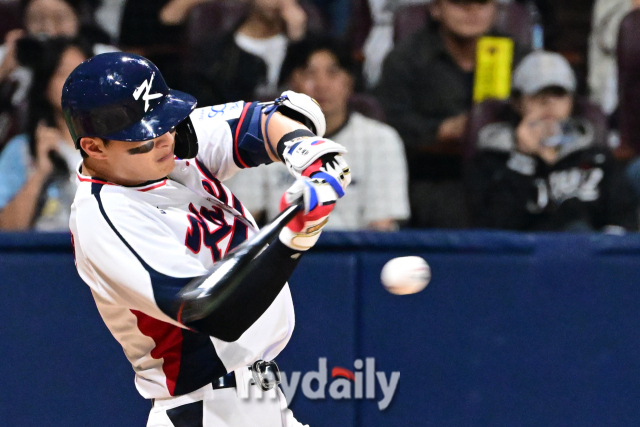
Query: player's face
{"x":70,"y":59}
{"x":51,"y":17}
{"x":133,"y":163}
{"x":467,"y":19}
{"x":324,"y":80}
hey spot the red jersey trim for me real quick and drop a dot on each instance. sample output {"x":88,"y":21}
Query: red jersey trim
{"x":160,"y":184}
{"x":94,"y":180}
{"x":100,"y":181}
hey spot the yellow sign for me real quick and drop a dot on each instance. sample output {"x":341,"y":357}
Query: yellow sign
{"x":494,"y":59}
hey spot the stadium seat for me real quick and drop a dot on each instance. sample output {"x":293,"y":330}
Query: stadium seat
{"x":9,"y":17}
{"x":493,"y":111}
{"x":512,"y":20}
{"x":629,"y":82}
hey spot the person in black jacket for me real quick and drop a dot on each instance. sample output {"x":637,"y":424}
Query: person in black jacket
{"x":426,"y":90}
{"x":545,"y":170}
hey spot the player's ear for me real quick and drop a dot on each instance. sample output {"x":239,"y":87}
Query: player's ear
{"x":94,"y":147}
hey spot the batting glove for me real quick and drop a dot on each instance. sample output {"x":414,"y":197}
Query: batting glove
{"x":310,"y":155}
{"x":318,"y":198}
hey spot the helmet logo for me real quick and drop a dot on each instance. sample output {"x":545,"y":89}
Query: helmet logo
{"x":146,"y":87}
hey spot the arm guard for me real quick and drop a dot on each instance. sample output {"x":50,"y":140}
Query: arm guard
{"x":299,"y":107}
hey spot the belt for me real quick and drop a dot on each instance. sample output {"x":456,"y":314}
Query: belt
{"x":226,"y":381}
{"x":265,"y":374}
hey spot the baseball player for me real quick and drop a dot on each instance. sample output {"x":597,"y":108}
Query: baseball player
{"x":151,"y":214}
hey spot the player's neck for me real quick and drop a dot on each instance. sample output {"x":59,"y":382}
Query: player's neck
{"x":258,"y":28}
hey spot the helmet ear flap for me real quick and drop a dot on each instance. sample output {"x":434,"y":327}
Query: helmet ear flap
{"x":186,"y":140}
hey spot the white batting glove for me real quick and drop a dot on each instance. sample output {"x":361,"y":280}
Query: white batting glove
{"x":318,"y":197}
{"x":309,"y":155}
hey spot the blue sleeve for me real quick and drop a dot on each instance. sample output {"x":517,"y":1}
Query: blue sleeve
{"x":13,"y":168}
{"x":248,"y":142}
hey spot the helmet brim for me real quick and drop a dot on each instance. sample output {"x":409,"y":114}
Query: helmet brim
{"x":165,"y":116}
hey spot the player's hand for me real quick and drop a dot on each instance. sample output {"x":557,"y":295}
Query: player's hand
{"x":321,"y":156}
{"x":333,"y":169}
{"x":318,"y":198}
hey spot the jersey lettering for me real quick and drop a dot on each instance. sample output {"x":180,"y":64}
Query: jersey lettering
{"x":211,"y":184}
{"x":578,"y":183}
{"x":199,"y":231}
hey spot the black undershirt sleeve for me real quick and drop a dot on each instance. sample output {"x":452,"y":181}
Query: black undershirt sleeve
{"x":268,"y":274}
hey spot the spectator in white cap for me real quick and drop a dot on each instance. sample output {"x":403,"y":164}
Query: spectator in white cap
{"x":542,"y":168}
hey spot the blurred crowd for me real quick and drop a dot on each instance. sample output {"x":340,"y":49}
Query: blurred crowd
{"x":456,"y":113}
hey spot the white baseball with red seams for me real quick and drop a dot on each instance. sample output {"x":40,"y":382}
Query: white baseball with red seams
{"x":405,"y":275}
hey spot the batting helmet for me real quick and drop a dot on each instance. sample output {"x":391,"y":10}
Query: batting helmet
{"x":122,"y":96}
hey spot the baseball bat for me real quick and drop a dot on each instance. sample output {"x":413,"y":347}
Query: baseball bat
{"x":199,"y":299}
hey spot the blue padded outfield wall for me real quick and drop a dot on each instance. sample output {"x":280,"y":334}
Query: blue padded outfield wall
{"x":514,"y":330}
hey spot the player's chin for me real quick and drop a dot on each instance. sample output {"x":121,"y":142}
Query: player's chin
{"x":167,"y":163}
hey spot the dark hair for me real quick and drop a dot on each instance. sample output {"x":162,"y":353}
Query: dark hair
{"x":298,"y":55}
{"x":76,"y":5}
{"x":42,"y":57}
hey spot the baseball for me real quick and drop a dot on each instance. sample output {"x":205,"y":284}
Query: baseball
{"x":405,"y":275}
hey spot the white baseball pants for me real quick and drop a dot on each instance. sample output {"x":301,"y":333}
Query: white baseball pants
{"x":227,"y":407}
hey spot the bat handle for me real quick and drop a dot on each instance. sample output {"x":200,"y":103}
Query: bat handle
{"x":199,"y":299}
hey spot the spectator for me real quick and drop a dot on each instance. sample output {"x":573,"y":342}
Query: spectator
{"x":144,"y":32}
{"x":42,"y":18}
{"x":377,"y":199}
{"x":543,"y":169}
{"x":603,"y":69}
{"x":426,"y":88}
{"x":245,"y":64}
{"x":37,"y":184}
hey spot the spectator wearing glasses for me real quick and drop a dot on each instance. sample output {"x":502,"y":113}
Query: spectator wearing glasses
{"x":542,"y":168}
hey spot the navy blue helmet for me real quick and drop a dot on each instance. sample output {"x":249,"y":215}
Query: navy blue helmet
{"x":122,"y":96}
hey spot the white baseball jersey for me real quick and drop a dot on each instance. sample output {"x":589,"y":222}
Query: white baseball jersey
{"x":135,"y":246}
